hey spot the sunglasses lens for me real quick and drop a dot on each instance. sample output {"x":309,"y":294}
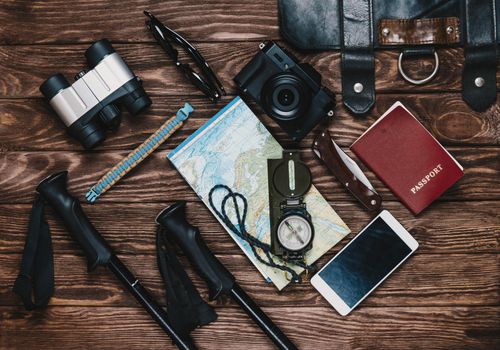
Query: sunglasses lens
{"x":166,"y":37}
{"x":198,"y":81}
{"x":166,"y":46}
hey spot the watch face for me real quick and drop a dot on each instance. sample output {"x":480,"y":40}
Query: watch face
{"x":294,"y":232}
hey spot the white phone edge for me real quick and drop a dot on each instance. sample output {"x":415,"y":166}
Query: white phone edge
{"x":333,"y":298}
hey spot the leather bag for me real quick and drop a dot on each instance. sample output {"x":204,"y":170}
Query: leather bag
{"x":416,"y":27}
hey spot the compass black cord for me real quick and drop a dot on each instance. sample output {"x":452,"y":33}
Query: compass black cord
{"x":243,"y":234}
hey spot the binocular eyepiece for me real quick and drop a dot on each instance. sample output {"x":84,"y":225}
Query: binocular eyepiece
{"x":89,"y":106}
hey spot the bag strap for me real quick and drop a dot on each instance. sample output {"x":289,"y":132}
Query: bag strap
{"x":419,"y":31}
{"x":35,"y":282}
{"x":481,"y":54}
{"x":358,"y":63}
{"x":186,"y":309}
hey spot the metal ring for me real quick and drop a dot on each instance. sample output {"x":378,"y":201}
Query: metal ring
{"x":421,"y":81}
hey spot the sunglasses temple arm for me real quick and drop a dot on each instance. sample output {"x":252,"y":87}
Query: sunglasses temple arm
{"x":213,"y":80}
{"x":213,"y":77}
{"x":209,"y":72}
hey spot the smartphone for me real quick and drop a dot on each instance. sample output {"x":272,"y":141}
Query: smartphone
{"x":364,"y":263}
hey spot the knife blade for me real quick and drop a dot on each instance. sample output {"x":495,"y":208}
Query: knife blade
{"x":346,"y":171}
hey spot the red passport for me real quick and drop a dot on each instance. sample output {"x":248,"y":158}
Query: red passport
{"x":407,"y":158}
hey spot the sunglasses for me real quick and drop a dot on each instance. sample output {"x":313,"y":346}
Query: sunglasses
{"x":210,"y":85}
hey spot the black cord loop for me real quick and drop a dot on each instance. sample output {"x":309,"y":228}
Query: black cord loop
{"x":243,"y":234}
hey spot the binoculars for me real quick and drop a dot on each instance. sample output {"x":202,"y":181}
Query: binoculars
{"x":89,"y":106}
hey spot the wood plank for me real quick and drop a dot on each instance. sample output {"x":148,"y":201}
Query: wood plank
{"x":30,"y":125}
{"x":314,"y":328}
{"x":26,"y":67}
{"x":130,"y":228}
{"x":447,"y":296}
{"x":424,"y":280}
{"x":56,"y":21}
{"x":22,"y":171}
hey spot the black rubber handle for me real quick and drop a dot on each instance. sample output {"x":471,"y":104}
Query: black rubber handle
{"x":219,"y":280}
{"x":54,"y":190}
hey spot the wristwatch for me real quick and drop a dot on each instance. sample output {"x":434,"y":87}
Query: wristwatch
{"x":292,"y":231}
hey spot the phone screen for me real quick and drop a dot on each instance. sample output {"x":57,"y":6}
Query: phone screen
{"x":367,"y":260}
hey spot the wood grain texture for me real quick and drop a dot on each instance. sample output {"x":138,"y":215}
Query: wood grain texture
{"x":22,"y":171}
{"x":213,"y":20}
{"x":424,"y":280}
{"x":310,"y":327}
{"x":476,"y":228}
{"x":447,"y":296}
{"x":26,"y":67}
{"x":30,"y":124}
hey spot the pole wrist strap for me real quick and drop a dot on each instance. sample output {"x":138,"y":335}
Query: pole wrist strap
{"x":35,"y":282}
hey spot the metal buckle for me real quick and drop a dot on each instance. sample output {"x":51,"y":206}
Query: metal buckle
{"x":415,"y":81}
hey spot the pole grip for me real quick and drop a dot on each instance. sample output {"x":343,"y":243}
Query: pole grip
{"x":219,"y":280}
{"x":54,"y":190}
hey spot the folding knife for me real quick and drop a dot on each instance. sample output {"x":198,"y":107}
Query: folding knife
{"x":346,"y":171}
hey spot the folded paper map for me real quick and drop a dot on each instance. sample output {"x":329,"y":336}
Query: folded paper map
{"x":232,"y":149}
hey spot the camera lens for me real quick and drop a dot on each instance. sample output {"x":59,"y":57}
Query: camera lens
{"x":53,"y":85}
{"x":285,"y":97}
{"x":98,"y":51}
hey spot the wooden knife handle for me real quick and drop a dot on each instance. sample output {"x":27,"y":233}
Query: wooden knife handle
{"x":326,"y":151}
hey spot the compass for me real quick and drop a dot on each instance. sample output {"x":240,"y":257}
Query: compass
{"x":292,"y":231}
{"x":295,"y":232}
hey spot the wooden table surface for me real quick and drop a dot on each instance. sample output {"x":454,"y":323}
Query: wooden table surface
{"x":444,"y":297}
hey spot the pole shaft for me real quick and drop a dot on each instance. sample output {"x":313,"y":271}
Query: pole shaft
{"x":146,"y":300}
{"x":262,"y":320}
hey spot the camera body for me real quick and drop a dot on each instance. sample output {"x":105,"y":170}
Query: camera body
{"x":288,"y":91}
{"x":89,"y":106}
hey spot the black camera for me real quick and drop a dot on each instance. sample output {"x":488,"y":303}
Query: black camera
{"x":289,"y":92}
{"x":88,"y":107}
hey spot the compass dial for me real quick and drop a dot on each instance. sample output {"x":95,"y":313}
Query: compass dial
{"x":294,"y":232}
